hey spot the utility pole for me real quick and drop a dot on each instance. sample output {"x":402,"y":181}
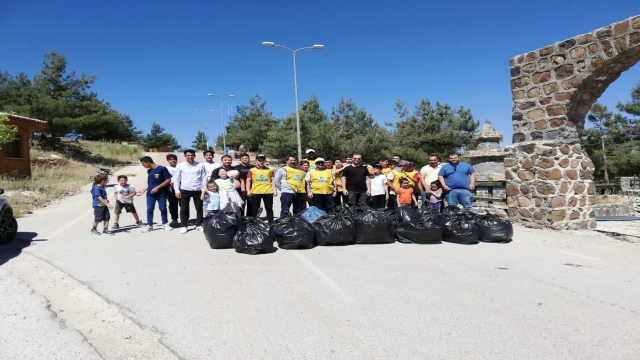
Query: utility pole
{"x":604,"y":156}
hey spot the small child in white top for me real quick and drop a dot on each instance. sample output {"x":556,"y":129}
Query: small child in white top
{"x":379,"y":188}
{"x":211,"y":199}
{"x":435,"y":197}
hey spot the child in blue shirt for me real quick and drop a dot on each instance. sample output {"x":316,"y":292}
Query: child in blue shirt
{"x":100,"y":205}
{"x":211,"y":199}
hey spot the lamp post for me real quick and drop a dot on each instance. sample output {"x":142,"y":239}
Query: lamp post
{"x":224,"y":129}
{"x":295,"y":83}
{"x":206,"y":128}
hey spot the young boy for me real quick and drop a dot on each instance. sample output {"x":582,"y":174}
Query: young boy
{"x":379,"y":188}
{"x":172,"y":161}
{"x":405,"y":194}
{"x":100,"y":205}
{"x":124,"y":193}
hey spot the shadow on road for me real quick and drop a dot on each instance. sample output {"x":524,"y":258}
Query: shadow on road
{"x":13,"y":249}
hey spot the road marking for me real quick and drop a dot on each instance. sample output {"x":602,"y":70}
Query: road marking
{"x":579,"y":255}
{"x":73,"y":222}
{"x":325,"y":279}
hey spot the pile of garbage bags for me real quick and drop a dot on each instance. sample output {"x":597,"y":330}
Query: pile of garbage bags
{"x":348,"y":225}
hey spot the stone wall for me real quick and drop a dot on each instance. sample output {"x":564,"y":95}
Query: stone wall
{"x":624,"y":207}
{"x":553,"y":88}
{"x":550,"y":185}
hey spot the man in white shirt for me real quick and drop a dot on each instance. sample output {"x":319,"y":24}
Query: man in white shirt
{"x":189,"y":180}
{"x":172,"y":160}
{"x":208,"y":163}
{"x":429,"y":174}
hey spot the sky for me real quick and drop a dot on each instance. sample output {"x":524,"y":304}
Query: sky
{"x":158,"y":61}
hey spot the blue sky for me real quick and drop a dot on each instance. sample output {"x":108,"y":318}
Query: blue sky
{"x":157,"y":62}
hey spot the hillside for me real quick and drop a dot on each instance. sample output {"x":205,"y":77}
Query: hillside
{"x":62,"y":168}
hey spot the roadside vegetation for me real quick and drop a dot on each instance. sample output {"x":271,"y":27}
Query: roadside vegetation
{"x":56,"y":174}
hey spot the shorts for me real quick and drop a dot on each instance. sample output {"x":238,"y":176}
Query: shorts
{"x":101,"y":213}
{"x":129,"y":207}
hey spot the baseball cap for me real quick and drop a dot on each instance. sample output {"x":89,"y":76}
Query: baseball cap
{"x":411,"y":163}
{"x":319,"y":160}
{"x":261,"y":156}
{"x":309,"y":151}
{"x":402,"y":162}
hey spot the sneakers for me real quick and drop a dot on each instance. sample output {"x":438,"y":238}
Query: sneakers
{"x":173,"y":223}
{"x":147,"y":229}
{"x":167,"y":227}
{"x":115,"y":226}
{"x":106,"y":232}
{"x":139,"y":224}
{"x":199,"y":228}
{"x":95,"y":232}
{"x":183,"y":230}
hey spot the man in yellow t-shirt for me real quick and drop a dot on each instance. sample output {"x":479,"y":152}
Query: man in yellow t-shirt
{"x":261,"y":186}
{"x":320,"y":187}
{"x":290,"y":181}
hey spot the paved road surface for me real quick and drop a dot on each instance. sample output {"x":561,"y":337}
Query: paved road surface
{"x":547,"y":295}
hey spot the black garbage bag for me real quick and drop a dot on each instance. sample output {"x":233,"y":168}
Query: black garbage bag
{"x":253,"y":237}
{"x":460,"y":230}
{"x":494,"y":229}
{"x":454,"y":210}
{"x":293,"y":232}
{"x":335,"y":229}
{"x":374,"y":227}
{"x":431,"y":217}
{"x":412,"y":228}
{"x":350,"y":211}
{"x":220,"y":229}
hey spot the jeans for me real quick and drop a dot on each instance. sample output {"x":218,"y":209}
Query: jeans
{"x":378,"y":201}
{"x":173,"y":206}
{"x":323,"y":202}
{"x":460,"y":196}
{"x":161,"y":198}
{"x":393,"y":202}
{"x":423,"y":196}
{"x":288,"y":199}
{"x":267,"y":199}
{"x":184,"y":206}
{"x":359,"y":198}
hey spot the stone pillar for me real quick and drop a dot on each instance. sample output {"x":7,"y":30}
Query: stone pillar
{"x":549,"y":185}
{"x":550,"y":176}
{"x":488,"y":158}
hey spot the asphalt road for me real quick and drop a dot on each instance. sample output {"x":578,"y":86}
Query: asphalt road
{"x":546,"y":295}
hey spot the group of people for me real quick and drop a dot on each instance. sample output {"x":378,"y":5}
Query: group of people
{"x":314,"y":181}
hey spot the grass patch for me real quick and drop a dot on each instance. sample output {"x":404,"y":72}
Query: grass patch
{"x":56,"y":174}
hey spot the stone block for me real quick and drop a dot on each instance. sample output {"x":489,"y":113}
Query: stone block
{"x":542,"y":77}
{"x":564,"y":71}
{"x":529,"y":68}
{"x":597,"y":64}
{"x":520,"y":82}
{"x":571,"y":174}
{"x":604,"y":33}
{"x":518,"y":94}
{"x":577,"y":53}
{"x":535,"y":114}
{"x":547,"y":50}
{"x":515,"y":71}
{"x":526,"y":105}
{"x":565,"y":149}
{"x":593,"y":49}
{"x":512,"y":190}
{"x":540,"y":125}
{"x":634,"y":39}
{"x":564,"y":187}
{"x":546,"y":189}
{"x":533,"y":93}
{"x":545,"y":101}
{"x":530,"y":56}
{"x":621,"y":28}
{"x":525,"y":190}
{"x":558,"y":215}
{"x":579,"y":188}
{"x":526,"y":175}
{"x":557,"y":202}
{"x":509,"y":162}
{"x":558,"y":59}
{"x":563,"y":163}
{"x":555,"y":110}
{"x":584,"y":39}
{"x":525,"y":213}
{"x":607,"y":48}
{"x":635,"y":23}
{"x":524,"y":202}
{"x":550,"y":88}
{"x":620,"y":44}
{"x":563,"y":96}
{"x":543,"y":64}
{"x":545,"y":163}
{"x":551,"y":174}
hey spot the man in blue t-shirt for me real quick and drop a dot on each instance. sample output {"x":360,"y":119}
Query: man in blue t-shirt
{"x":158,"y":181}
{"x":458,"y":179}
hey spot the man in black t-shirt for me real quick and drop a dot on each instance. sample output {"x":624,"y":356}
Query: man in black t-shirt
{"x":356,"y":182}
{"x":243,"y":169}
{"x":226,"y":164}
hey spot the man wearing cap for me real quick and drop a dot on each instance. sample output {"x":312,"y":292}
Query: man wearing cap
{"x":320,"y":186}
{"x":393,"y":181}
{"x":260,"y":186}
{"x":291,"y":183}
{"x":311,"y":158}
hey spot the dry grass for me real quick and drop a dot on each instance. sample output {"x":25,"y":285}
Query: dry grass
{"x":54,"y":178}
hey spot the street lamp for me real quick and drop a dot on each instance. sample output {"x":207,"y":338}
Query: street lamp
{"x":295,"y":83}
{"x":206,"y":127}
{"x":224,"y":130}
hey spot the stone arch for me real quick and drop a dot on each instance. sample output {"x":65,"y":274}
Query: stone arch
{"x":550,"y":176}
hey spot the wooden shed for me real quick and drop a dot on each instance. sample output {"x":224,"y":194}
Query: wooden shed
{"x":14,"y":156}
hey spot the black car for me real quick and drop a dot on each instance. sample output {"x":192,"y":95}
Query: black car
{"x":8,"y":223}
